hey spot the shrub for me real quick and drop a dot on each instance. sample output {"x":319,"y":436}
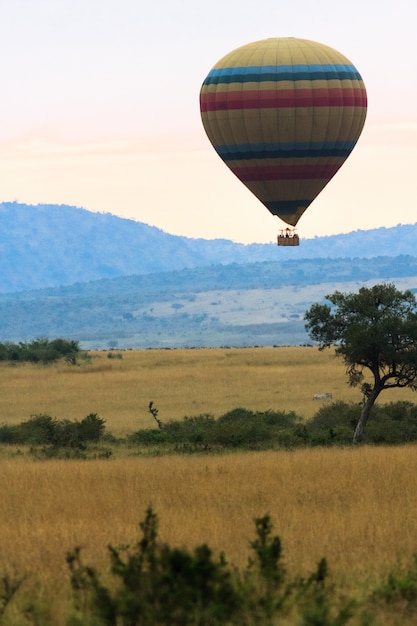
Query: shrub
{"x":148,"y":437}
{"x":45,"y":430}
{"x":239,"y":428}
{"x":91,"y":428}
{"x":9,"y":434}
{"x":333,"y":424}
{"x":392,"y":423}
{"x":41,"y":351}
{"x":9,"y":585}
{"x":197,"y":430}
{"x":39,"y":429}
{"x":250,"y":430}
{"x":156,"y":585}
{"x":399,"y":587}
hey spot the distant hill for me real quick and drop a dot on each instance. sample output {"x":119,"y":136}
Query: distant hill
{"x":49,"y":245}
{"x":52,"y":245}
{"x":220,"y":305}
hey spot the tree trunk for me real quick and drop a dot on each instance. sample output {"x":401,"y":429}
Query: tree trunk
{"x":366,"y":409}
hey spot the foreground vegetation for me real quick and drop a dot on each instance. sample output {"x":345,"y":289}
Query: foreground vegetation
{"x":163,"y":585}
{"x":316,"y":500}
{"x":154,"y":584}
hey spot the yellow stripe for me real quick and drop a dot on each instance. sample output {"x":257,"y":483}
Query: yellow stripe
{"x":288,"y":50}
{"x":234,"y":127}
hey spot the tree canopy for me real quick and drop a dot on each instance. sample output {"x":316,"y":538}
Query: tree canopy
{"x":375,"y":332}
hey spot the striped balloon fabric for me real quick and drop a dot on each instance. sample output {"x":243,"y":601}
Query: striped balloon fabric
{"x":284,"y":114}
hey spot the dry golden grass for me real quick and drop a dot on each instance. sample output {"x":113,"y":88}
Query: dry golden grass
{"x":180,"y":382}
{"x":357,"y":507}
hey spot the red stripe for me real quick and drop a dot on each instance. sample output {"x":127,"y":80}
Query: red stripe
{"x":285,"y":172}
{"x":282,"y":98}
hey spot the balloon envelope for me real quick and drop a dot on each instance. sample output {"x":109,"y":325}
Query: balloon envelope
{"x":284,"y":114}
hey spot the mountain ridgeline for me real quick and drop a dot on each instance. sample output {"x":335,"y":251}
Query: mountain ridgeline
{"x":49,"y":246}
{"x":109,"y":282}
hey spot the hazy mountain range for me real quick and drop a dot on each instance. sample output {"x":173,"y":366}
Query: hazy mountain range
{"x":52,"y":245}
{"x":115,"y":283}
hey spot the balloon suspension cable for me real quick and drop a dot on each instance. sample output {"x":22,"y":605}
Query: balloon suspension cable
{"x":288,"y":237}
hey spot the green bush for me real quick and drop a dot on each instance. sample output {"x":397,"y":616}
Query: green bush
{"x":156,"y":585}
{"x":39,"y":429}
{"x":239,"y":428}
{"x":148,"y":437}
{"x":243,"y":428}
{"x":392,"y":423}
{"x":45,"y":430}
{"x":197,"y":430}
{"x":333,"y":424}
{"x":91,"y":428}
{"x":399,"y":588}
{"x":41,"y":351}
{"x":9,"y":434}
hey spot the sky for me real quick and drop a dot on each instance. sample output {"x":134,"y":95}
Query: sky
{"x":100,"y":109}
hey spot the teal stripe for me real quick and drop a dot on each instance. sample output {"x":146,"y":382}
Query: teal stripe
{"x":289,"y":150}
{"x":278,"y":73}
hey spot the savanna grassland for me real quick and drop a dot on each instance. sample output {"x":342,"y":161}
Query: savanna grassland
{"x":179,"y":382}
{"x":355,"y":506}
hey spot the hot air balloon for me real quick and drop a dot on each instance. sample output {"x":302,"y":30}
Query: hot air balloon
{"x":284,"y":114}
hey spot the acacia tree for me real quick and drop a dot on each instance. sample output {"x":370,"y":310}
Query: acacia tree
{"x":375,"y":330}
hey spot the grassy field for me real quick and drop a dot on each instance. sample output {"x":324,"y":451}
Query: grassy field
{"x":356,"y":506}
{"x":179,"y":382}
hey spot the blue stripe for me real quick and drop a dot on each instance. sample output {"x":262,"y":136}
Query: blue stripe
{"x":277,"y":73}
{"x":284,"y":151}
